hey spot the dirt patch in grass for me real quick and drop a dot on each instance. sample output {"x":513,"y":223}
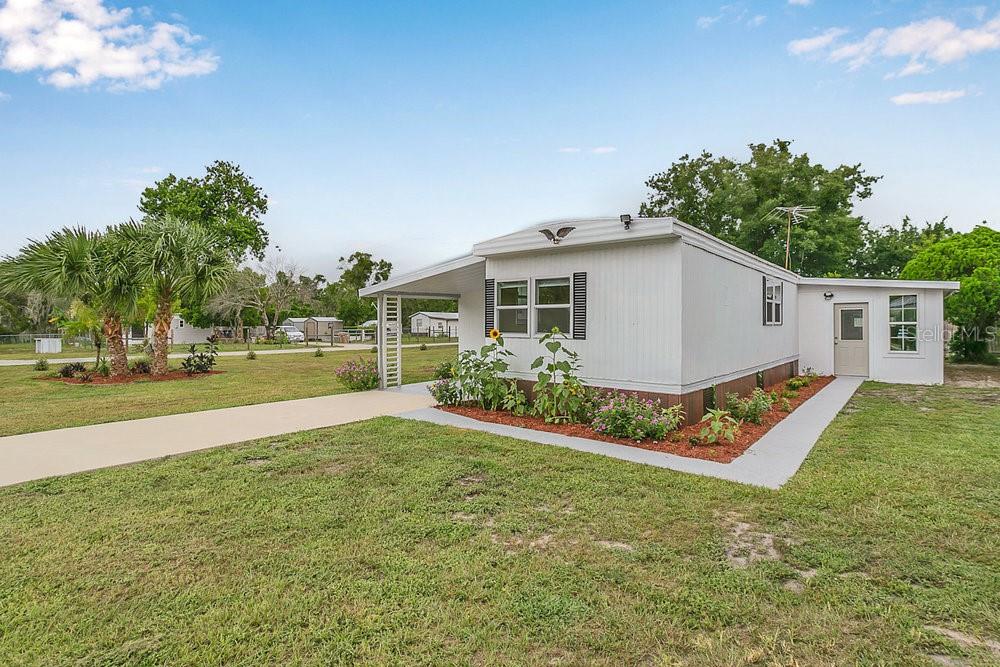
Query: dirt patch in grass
{"x":966,"y":641}
{"x":678,"y":442}
{"x":747,"y":545}
{"x":129,"y":379}
{"x":973,"y":376}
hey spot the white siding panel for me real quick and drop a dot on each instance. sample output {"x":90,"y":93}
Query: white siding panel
{"x":633,"y":311}
{"x":926,"y":366}
{"x":723,"y":329}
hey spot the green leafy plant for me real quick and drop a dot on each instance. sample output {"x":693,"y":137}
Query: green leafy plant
{"x":786,"y":406}
{"x":71,"y":369}
{"x":479,"y":374}
{"x":423,"y":347}
{"x":86,"y":377}
{"x":789,"y":393}
{"x":718,"y":425}
{"x":201,"y":361}
{"x":318,"y":352}
{"x":444,"y":370}
{"x":752,"y":408}
{"x":446,"y":392}
{"x":799,"y":381}
{"x":374,"y":349}
{"x":42,"y":365}
{"x":516,"y":401}
{"x":622,"y":415}
{"x":358,"y":375}
{"x":560,"y":396}
{"x":102,"y":367}
{"x":251,"y":355}
{"x":141,"y":367}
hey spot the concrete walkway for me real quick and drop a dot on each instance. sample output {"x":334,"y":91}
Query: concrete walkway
{"x":341,"y":347}
{"x":770,"y":462}
{"x":64,"y":451}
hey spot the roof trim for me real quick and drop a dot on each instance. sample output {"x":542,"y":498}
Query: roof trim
{"x":587,"y":232}
{"x":436,"y":314}
{"x":427,"y":272}
{"x":705,"y":241}
{"x":882,"y":282}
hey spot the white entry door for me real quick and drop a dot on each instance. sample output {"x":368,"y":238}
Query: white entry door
{"x":850,"y":339}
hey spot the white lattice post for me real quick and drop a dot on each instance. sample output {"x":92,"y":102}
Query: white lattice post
{"x":380,"y":339}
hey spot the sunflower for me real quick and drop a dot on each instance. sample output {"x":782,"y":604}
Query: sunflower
{"x":494,"y":333}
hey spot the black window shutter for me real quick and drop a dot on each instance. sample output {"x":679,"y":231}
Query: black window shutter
{"x":489,"y":301}
{"x":580,"y":306}
{"x":763,"y":299}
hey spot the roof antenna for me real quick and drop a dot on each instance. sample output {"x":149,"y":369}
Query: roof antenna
{"x":796,"y":214}
{"x":626,"y":220}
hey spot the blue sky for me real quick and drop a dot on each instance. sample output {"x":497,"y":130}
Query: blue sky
{"x":415,"y":129}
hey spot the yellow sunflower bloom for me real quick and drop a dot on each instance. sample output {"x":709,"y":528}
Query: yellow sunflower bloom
{"x":494,"y":333}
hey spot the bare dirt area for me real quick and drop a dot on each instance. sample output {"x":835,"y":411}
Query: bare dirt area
{"x":972,"y":376}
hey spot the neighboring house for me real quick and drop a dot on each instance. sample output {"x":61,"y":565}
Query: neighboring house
{"x":654,"y":305}
{"x":182,"y":333}
{"x":315,"y":328}
{"x":434,"y":323}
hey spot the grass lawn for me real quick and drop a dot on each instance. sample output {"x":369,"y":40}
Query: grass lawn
{"x":398,"y":542}
{"x":27,"y":350}
{"x":28,"y":404}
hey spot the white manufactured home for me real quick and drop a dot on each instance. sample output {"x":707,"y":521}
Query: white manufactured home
{"x":656,"y":306}
{"x":432,"y":323}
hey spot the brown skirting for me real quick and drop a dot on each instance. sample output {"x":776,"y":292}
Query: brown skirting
{"x":694,"y":402}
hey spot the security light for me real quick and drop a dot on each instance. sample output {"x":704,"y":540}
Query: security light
{"x":626,"y":220}
{"x":827,"y":295}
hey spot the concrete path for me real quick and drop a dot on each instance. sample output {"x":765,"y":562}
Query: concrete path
{"x":341,"y":347}
{"x":60,"y":452}
{"x":770,"y":462}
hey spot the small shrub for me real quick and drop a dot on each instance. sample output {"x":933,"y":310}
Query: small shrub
{"x":374,"y":349}
{"x":622,"y":415}
{"x":318,"y":352}
{"x":102,"y":367}
{"x":141,"y":367}
{"x":444,"y":370}
{"x":752,"y":408}
{"x":201,"y":362}
{"x":786,"y":406}
{"x":71,"y":369}
{"x":42,"y":365}
{"x":789,"y":393}
{"x":446,"y":392}
{"x":251,"y":355}
{"x":798,"y":382}
{"x":718,"y":425}
{"x":87,"y":377}
{"x":423,"y":346}
{"x":358,"y":375}
{"x":516,"y":401}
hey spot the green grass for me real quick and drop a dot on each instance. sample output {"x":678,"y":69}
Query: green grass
{"x":27,"y":350}
{"x":29,"y":404}
{"x":393,"y":542}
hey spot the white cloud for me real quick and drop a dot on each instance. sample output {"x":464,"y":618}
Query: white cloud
{"x":4,"y":96}
{"x":80,"y":43}
{"x":705,"y":22}
{"x":568,"y":149}
{"x":928,"y":97}
{"x":800,"y":3}
{"x":935,"y":40}
{"x":602,"y":150}
{"x":810,"y":44}
{"x":756,"y":21}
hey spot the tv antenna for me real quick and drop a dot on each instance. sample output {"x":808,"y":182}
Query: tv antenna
{"x":795,"y":214}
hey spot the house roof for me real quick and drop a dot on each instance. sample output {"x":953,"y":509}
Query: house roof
{"x":296,"y":319}
{"x":323,"y":319}
{"x":436,"y":315}
{"x":582,"y":232}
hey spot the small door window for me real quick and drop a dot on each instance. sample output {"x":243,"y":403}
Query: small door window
{"x":852,"y":324}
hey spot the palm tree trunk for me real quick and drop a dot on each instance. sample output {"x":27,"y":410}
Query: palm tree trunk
{"x":161,"y":332}
{"x":116,"y":346}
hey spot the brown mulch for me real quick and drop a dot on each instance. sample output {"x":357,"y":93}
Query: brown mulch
{"x":128,"y":379}
{"x":678,"y":442}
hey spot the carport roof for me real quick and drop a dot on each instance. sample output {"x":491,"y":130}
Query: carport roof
{"x":446,"y":280}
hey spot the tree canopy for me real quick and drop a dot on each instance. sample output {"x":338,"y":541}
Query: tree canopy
{"x":973,"y":259}
{"x":733,"y":201}
{"x":225,"y":201}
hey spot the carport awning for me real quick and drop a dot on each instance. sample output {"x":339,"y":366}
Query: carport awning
{"x":447,"y":280}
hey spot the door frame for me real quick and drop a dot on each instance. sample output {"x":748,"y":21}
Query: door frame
{"x":866,"y":308}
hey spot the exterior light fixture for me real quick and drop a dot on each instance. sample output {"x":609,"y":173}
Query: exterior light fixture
{"x":827,"y":295}
{"x":626,"y":220}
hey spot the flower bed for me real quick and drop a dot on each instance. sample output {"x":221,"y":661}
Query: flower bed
{"x":96,"y":378}
{"x":677,"y":442}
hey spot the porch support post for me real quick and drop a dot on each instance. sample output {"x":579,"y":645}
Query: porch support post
{"x":380,"y":338}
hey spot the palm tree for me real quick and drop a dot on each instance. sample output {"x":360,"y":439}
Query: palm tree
{"x":100,"y":271}
{"x":180,"y":261}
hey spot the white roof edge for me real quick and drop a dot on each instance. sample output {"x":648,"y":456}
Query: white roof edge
{"x":705,"y":241}
{"x":883,"y":282}
{"x":420,"y":274}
